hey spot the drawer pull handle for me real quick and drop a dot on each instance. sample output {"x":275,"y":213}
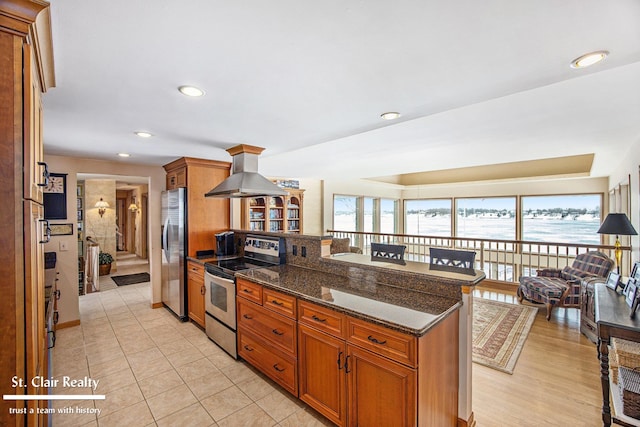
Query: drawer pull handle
{"x":339,"y":358}
{"x":248,"y":317}
{"x":375,"y":341}
{"x":203,"y":290}
{"x":277,"y":368}
{"x":276,"y":302}
{"x":317,"y":319}
{"x":277,"y":332}
{"x":246,"y":347}
{"x":248,"y":291}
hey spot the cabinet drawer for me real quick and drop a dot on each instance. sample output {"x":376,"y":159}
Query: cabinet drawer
{"x":274,"y":328}
{"x":322,"y":318}
{"x":279,"y":302}
{"x":280,"y":368}
{"x":195,"y":269}
{"x":384,"y":341}
{"x":249,"y":290}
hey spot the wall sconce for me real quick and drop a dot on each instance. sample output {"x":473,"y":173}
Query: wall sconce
{"x":102,"y":206}
{"x":133,"y":207}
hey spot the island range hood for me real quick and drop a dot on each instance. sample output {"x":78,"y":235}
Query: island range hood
{"x":245,"y":181}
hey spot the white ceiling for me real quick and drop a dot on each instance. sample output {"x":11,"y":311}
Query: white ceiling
{"x":476,"y":82}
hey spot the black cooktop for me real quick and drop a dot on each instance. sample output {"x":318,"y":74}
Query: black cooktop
{"x":235,"y":264}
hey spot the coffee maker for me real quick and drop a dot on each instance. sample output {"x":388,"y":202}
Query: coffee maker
{"x":225,"y":244}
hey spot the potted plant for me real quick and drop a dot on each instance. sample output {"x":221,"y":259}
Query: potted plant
{"x":105,"y":259}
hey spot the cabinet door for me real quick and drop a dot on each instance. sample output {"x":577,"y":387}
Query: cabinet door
{"x":380,"y":392}
{"x":36,"y":337}
{"x":322,"y":382}
{"x":34,"y":168}
{"x":196,"y":290}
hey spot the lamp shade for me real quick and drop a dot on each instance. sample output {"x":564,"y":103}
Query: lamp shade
{"x":102,"y":204}
{"x":618,"y":224}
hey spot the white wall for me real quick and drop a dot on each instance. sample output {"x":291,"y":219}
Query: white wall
{"x":68,"y":260}
{"x":629,"y":171}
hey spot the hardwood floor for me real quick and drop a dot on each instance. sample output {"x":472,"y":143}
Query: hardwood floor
{"x":556,"y":381}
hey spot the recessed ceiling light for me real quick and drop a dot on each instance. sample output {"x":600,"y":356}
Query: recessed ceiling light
{"x":391,"y":115}
{"x":124,"y":154}
{"x":191,"y":91}
{"x":143,"y":134}
{"x":589,"y":59}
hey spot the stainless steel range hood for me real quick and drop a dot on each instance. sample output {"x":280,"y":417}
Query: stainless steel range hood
{"x":245,"y":181}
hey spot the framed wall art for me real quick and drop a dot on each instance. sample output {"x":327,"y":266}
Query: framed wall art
{"x":55,"y":197}
{"x":61,"y":229}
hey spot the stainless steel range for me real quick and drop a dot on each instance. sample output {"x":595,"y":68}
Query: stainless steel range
{"x":220,"y":286}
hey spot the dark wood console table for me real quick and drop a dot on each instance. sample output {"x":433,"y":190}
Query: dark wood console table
{"x":612,"y":318}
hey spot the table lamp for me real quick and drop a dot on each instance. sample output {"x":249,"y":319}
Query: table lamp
{"x":618,"y":224}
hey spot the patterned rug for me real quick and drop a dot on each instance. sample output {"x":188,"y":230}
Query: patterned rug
{"x":499,"y":332}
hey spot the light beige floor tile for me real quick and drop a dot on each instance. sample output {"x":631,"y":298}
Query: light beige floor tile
{"x":125,"y":323}
{"x":209,"y":384}
{"x":167,"y":334}
{"x":159,"y":383}
{"x":191,"y":416}
{"x":152,"y":323}
{"x":183,"y":357}
{"x":251,"y":416}
{"x":305,"y":417}
{"x":279,"y":405}
{"x":151,"y":368}
{"x":225,"y":403}
{"x":187,"y":329}
{"x":109,"y":367}
{"x":238,"y":372}
{"x":175,"y":346}
{"x":220,"y":359}
{"x":115,"y":381}
{"x":78,"y":372}
{"x":131,"y":346}
{"x":135,"y":415}
{"x":171,"y":401}
{"x":119,"y":399}
{"x":75,"y":417}
{"x":256,"y":388}
{"x":144,"y":356}
{"x":196,"y":369}
{"x":104,"y":354}
{"x":70,"y":362}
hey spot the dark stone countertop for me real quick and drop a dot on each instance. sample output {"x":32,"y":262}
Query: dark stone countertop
{"x":404,"y":310}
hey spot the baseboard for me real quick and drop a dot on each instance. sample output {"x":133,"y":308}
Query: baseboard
{"x":68,"y":324}
{"x":471,"y":422}
{"x":157,"y":305}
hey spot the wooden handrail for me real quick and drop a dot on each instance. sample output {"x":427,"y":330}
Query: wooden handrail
{"x":502,"y":260}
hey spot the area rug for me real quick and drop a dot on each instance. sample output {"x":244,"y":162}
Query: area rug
{"x":130,"y":279}
{"x":499,"y":333}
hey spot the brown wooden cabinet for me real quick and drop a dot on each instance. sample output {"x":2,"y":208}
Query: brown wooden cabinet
{"x":278,"y":214}
{"x":195,"y":292}
{"x":353,"y":372}
{"x":266,"y":338}
{"x":26,"y":72}
{"x":205,"y":215}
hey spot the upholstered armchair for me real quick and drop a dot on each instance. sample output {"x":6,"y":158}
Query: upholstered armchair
{"x":561,"y":287}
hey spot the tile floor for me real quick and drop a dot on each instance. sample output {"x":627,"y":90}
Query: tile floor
{"x":157,"y":371}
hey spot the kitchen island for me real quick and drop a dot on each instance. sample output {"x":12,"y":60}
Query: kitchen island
{"x":363,"y":342}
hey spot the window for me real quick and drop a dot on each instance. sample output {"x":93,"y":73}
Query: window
{"x":388,"y":215}
{"x":489,"y":218}
{"x":345,"y":213}
{"x":428,"y":217}
{"x":564,"y":219}
{"x":369,"y":215}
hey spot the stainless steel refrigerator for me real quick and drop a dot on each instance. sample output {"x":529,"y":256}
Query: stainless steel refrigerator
{"x":174,"y":244}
